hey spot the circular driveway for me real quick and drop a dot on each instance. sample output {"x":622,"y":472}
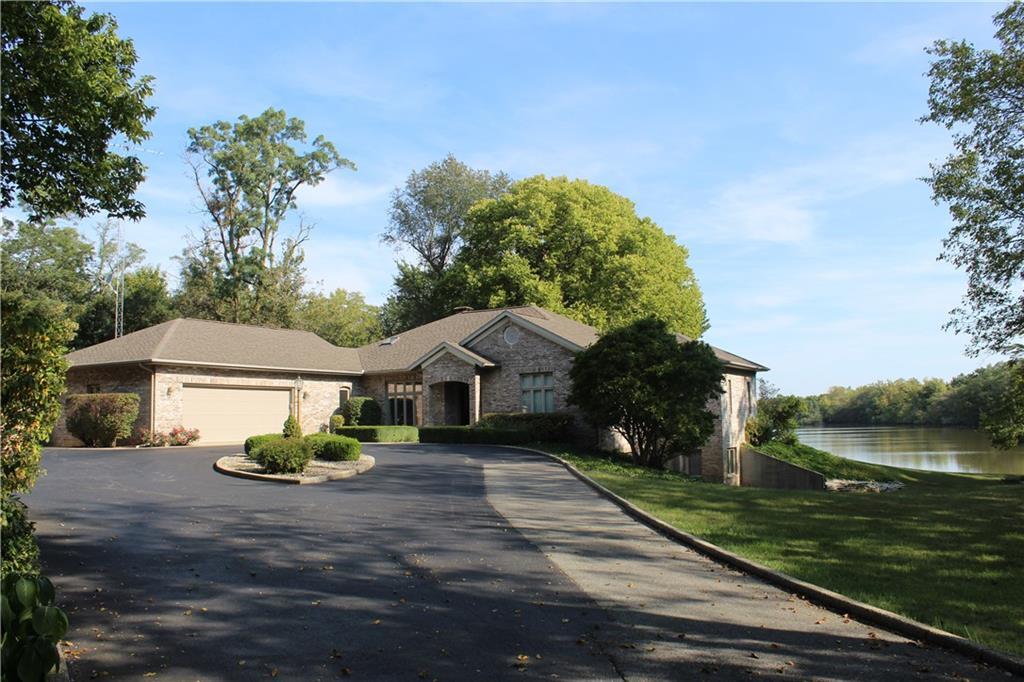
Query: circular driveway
{"x":443,"y":562}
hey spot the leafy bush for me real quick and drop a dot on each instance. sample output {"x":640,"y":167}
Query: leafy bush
{"x":282,"y":455}
{"x":19,"y":552}
{"x":153,"y":439}
{"x":32,"y":626}
{"x":473,"y":434}
{"x":337,"y":421}
{"x":550,"y":426}
{"x":179,"y":435}
{"x":381,"y":434}
{"x":292,"y":428}
{"x":362,"y":411}
{"x":100,"y":419}
{"x":334,"y":448}
{"x":253,"y":441}
{"x":36,"y":333}
{"x":776,"y":420}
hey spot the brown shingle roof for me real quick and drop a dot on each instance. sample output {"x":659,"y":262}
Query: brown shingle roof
{"x":220,"y":343}
{"x":204,"y":342}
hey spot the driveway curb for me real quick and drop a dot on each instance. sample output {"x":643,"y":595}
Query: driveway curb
{"x":361,"y":468}
{"x":819,"y":595}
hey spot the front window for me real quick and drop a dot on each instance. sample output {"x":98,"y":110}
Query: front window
{"x":402,"y":401}
{"x":538,"y":390}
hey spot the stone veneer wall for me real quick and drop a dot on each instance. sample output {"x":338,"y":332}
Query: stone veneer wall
{"x":733,"y":407}
{"x":320,"y":398}
{"x":449,"y":368}
{"x":114,"y":379}
{"x":500,"y":387}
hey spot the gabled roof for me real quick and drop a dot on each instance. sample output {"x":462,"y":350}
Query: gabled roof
{"x":222,"y":344}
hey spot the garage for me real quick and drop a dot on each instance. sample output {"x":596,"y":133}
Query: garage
{"x":227,"y":414}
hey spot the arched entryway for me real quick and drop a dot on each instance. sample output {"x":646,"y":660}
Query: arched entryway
{"x":455,"y":397}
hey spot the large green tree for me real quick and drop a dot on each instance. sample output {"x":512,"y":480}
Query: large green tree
{"x":343,"y":318}
{"x":642,"y":382}
{"x":979,"y":96}
{"x":427,"y":217}
{"x":147,"y":301}
{"x":248,"y":173}
{"x":578,"y":249}
{"x":69,"y":94}
{"x":42,"y":258}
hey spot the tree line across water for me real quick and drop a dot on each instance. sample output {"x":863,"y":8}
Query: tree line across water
{"x":990,"y":398}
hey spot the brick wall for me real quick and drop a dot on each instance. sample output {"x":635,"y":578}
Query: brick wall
{"x":375,"y":386}
{"x":444,"y":369}
{"x":118,"y":379}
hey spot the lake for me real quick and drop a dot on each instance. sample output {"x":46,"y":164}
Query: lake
{"x":916,"y":447}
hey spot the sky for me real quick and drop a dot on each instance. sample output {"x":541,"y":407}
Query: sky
{"x":779,"y":143}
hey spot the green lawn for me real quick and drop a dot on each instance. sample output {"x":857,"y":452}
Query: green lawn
{"x":947,"y":550}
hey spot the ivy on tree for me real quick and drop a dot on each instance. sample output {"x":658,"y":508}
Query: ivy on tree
{"x":69,"y":90}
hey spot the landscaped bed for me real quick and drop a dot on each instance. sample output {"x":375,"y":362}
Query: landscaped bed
{"x":946,"y":550}
{"x":317,"y":471}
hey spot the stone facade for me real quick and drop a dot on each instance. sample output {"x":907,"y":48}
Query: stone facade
{"x":313,"y":405}
{"x":449,"y":368}
{"x":115,"y":379}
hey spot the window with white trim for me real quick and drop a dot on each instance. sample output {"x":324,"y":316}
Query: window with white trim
{"x":403,"y":399}
{"x":538,"y":391}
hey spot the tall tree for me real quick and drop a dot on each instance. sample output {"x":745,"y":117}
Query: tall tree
{"x":343,"y":318}
{"x":578,"y":249}
{"x":642,"y":382}
{"x":247,"y":175}
{"x":69,"y":91}
{"x":41,"y":258}
{"x":979,"y":96}
{"x":147,"y":301}
{"x":428,"y":216}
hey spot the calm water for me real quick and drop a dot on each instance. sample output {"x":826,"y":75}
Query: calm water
{"x":925,"y":447}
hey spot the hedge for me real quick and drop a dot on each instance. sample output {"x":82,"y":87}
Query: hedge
{"x":282,"y":455}
{"x":362,"y":411}
{"x":100,"y":419}
{"x":474,"y":434}
{"x":545,"y":426}
{"x":381,"y":434}
{"x":334,"y":448}
{"x":18,"y":548}
{"x":252,"y":441}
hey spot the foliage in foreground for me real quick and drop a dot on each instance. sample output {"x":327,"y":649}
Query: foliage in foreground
{"x":70,"y":98}
{"x":642,"y":382}
{"x":978,"y":95}
{"x":19,"y":552}
{"x":101,"y":419}
{"x":32,"y":627}
{"x":948,"y":545}
{"x":32,"y":377}
{"x":292,"y":428}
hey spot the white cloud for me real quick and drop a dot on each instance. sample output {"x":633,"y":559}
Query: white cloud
{"x":339,"y":191}
{"x":789,"y":204}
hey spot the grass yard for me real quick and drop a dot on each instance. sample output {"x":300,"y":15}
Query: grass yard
{"x":947,"y":550}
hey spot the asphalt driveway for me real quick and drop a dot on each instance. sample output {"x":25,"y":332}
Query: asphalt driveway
{"x":441,"y":563}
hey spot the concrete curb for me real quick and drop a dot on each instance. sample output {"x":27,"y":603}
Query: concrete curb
{"x":365,"y":463}
{"x":819,"y":595}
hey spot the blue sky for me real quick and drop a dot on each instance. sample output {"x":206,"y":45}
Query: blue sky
{"x":779,"y":143}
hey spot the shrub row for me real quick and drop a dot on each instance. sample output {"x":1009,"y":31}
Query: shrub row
{"x":474,"y":434}
{"x":334,"y":448}
{"x":100,"y":419}
{"x":380,"y":434}
{"x":550,"y":426}
{"x":280,"y":455}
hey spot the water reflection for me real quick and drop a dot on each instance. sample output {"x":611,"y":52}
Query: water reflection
{"x":930,"y":448}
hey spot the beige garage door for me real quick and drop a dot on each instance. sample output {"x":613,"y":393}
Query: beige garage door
{"x":230,"y":415}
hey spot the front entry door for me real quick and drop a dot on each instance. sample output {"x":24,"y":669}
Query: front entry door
{"x":456,"y":403}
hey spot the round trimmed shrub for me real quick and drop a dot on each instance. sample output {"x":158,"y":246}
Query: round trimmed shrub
{"x":253,"y":441}
{"x":335,"y":448}
{"x":100,"y":419}
{"x":283,"y":455}
{"x":337,"y":421}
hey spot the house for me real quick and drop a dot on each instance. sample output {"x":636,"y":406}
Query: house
{"x":231,"y":381}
